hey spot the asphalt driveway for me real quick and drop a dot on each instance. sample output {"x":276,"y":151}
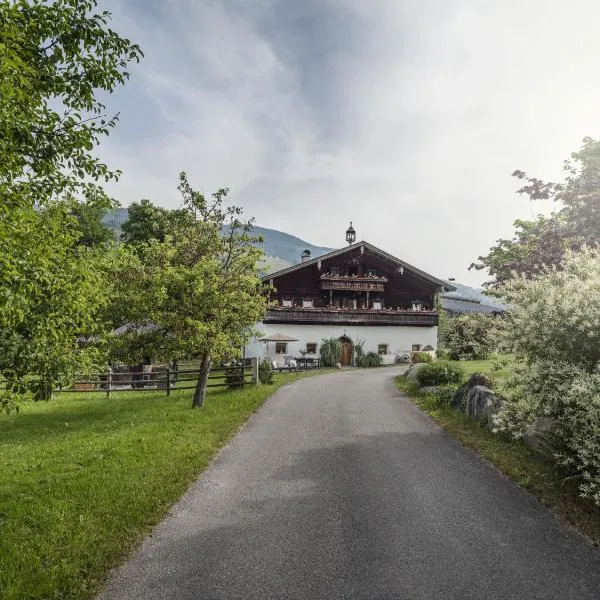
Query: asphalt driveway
{"x":339,"y":487}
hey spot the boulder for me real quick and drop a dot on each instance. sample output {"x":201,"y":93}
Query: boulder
{"x":411,"y":374}
{"x":459,"y":400}
{"x":540,"y":436}
{"x":482,"y":404}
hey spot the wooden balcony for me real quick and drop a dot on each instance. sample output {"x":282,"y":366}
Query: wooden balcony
{"x":333,"y":316}
{"x":355,"y":284}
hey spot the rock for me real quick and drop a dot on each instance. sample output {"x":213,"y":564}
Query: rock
{"x":482,"y":404}
{"x":411,"y":374}
{"x":540,"y":437}
{"x":459,"y":400}
{"x":479,"y":379}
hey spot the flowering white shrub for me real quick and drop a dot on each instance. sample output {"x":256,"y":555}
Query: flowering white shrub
{"x":557,"y":315}
{"x":554,"y":328}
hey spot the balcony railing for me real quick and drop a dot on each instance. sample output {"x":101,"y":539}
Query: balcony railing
{"x":352,"y":283}
{"x":349,"y":316}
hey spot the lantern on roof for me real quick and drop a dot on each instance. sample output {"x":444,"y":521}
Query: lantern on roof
{"x":350,"y":234}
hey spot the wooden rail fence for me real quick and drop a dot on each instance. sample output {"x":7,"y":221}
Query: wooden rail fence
{"x":165,"y":378}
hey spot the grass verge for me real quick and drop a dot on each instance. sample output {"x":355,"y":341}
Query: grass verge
{"x":540,"y":477}
{"x":83,"y":479}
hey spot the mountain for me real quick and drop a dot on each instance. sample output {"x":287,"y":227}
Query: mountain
{"x":114,"y":218}
{"x":285,"y":247}
{"x":283,"y":250}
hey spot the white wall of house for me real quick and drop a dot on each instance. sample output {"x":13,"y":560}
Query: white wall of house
{"x":398,"y":338}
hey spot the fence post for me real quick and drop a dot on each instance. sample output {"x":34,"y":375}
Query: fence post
{"x":108,"y":382}
{"x":168,"y":381}
{"x":254,"y":364}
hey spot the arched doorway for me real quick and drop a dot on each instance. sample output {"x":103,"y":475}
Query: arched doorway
{"x":346,"y":350}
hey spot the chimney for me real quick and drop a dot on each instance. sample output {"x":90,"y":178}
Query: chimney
{"x":305,"y":256}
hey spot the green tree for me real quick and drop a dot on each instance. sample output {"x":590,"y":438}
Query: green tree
{"x":544,"y":241}
{"x":471,"y":336}
{"x":49,"y":307}
{"x":148,"y":222}
{"x":199,"y":290}
{"x":55,"y":58}
{"x":92,"y":232}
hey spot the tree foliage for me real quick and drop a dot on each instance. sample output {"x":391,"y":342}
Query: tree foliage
{"x":147,"y":222}
{"x":544,"y":241}
{"x":554,"y":328}
{"x":470,"y":336}
{"x":50,"y":305}
{"x":200,"y":290}
{"x":55,"y":59}
{"x":92,"y":231}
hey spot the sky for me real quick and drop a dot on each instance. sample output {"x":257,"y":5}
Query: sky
{"x":406,"y":117}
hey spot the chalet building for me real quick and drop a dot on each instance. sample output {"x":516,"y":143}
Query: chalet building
{"x":358,"y":294}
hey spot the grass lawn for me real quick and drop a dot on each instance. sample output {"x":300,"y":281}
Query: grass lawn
{"x":540,"y":477}
{"x":494,"y":368}
{"x":83,"y":479}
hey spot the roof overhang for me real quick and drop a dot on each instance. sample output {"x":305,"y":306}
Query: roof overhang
{"x":444,"y":285}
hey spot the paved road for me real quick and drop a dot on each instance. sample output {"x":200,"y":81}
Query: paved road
{"x":340,"y":488}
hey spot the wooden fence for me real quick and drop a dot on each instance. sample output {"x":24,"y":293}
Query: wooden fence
{"x":167,"y":379}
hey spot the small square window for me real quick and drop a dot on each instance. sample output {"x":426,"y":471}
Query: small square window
{"x":382,"y":349}
{"x":286,"y":303}
{"x":335,"y":270}
{"x":416,"y":347}
{"x":311,"y":348}
{"x":307,"y":303}
{"x":280,"y":347}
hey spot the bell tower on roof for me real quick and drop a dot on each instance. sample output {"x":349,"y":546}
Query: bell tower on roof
{"x":350,"y":234}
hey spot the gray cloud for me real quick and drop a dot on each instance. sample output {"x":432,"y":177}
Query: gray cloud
{"x":406,"y":117}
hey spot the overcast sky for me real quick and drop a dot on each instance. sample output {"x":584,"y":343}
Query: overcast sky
{"x":405,"y":116}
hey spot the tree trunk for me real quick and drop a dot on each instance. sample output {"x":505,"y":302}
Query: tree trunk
{"x":200,"y":391}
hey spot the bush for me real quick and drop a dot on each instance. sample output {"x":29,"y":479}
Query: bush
{"x":370,"y":360}
{"x":422,"y":357}
{"x":442,"y":354}
{"x":470,"y":337}
{"x":440,"y":372}
{"x":554,"y":328}
{"x":445,"y":393}
{"x":265,"y":372}
{"x":331,"y":352}
{"x":359,"y":352}
{"x":234,"y":376}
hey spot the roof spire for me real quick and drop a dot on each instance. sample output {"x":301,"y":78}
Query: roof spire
{"x":350,"y":234}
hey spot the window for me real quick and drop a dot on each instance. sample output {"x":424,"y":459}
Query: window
{"x":286,"y":303}
{"x":307,"y":303}
{"x":376,"y":305}
{"x":382,"y":349}
{"x":280,"y":347}
{"x":372,"y":272}
{"x":335,"y":270}
{"x":416,"y":347}
{"x":311,"y":348}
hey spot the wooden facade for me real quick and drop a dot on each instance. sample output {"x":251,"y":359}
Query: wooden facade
{"x":360,"y":284}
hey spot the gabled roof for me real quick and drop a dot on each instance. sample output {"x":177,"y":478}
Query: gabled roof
{"x":371,"y":248}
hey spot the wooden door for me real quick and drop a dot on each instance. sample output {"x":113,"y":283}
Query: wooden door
{"x":346,"y":352}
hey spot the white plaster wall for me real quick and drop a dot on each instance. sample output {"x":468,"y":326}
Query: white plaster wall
{"x":399,"y":339}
